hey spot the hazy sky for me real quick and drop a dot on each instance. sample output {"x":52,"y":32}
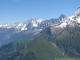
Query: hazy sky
{"x":12,"y":11}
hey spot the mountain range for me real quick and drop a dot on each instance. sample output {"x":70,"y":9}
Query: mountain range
{"x":66,"y":35}
{"x":26,"y":30}
{"x":48,"y":39}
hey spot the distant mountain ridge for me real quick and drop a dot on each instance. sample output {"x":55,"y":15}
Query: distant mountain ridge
{"x":34,"y":26}
{"x":30,"y":28}
{"x":33,"y":23}
{"x":71,"y":20}
{"x":40,"y":24}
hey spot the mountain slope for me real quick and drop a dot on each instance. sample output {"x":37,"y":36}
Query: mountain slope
{"x":10,"y":36}
{"x":10,"y":49}
{"x":69,"y":41}
{"x":67,"y":59}
{"x":65,"y":35}
{"x":50,"y":33}
{"x":38,"y":49}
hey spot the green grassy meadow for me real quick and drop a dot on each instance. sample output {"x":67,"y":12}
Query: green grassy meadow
{"x":67,"y":59}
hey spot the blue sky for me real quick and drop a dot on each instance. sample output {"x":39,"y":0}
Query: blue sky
{"x":12,"y":11}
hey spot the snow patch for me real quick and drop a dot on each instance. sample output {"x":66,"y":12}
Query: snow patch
{"x":78,"y":19}
{"x":39,"y":20}
{"x":63,"y":25}
{"x":71,"y":18}
{"x":35,"y":25}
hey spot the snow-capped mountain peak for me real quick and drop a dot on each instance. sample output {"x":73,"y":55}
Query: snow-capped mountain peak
{"x":18,"y":26}
{"x":39,"y":20}
{"x":75,"y":16}
{"x":33,"y":18}
{"x":33,"y":22}
{"x":62,"y":17}
{"x":77,"y":12}
{"x":71,"y":20}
